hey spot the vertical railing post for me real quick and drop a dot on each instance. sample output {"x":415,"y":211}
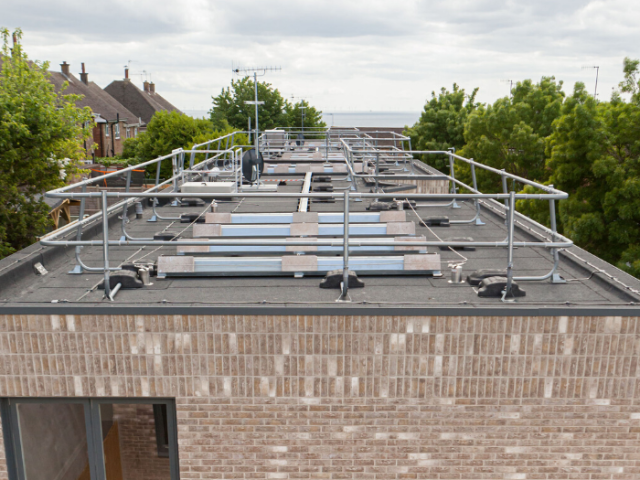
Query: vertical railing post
{"x":192,"y":158}
{"x":125,"y":207}
{"x":510,"y":231}
{"x":226,"y":148}
{"x":377,"y":169}
{"x":105,"y":243}
{"x":555,"y":277}
{"x":154,"y":200}
{"x":344,"y":296}
{"x":77,"y":270}
{"x":327,"y":140}
{"x":452,"y":173}
{"x":475,"y":187}
{"x":505,"y":191}
{"x":176,"y":171}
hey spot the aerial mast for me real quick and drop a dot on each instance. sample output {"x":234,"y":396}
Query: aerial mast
{"x":257,"y":72}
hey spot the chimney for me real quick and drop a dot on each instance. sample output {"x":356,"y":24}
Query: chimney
{"x":152,"y":88}
{"x":64,"y":68}
{"x":15,"y":42}
{"x":146,"y":86}
{"x":126,"y":73}
{"x":84,"y":76}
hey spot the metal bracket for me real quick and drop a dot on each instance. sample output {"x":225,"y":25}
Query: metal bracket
{"x":479,"y":222}
{"x":77,"y":270}
{"x":556,"y":278}
{"x":153,"y":219}
{"x":504,"y":298}
{"x":344,"y":294}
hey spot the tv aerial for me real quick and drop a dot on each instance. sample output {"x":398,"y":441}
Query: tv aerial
{"x":510,"y":82}
{"x":597,"y":68}
{"x":257,"y":72}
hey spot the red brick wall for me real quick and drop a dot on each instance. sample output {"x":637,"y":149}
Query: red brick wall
{"x":357,"y":397}
{"x":138,"y":446}
{"x":401,"y":438}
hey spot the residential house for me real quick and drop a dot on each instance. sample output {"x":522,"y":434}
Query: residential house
{"x":114,"y":122}
{"x":143,"y":103}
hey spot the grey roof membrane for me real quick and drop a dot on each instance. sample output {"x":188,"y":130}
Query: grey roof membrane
{"x":587,"y":291}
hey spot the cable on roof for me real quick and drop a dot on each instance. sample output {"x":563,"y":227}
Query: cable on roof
{"x":423,"y":223}
{"x":596,"y":269}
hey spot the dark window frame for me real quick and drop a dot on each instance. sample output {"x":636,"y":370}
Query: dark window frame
{"x":162,"y":434}
{"x":13,"y":447}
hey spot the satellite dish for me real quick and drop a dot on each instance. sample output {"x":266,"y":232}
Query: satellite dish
{"x":300,"y":139}
{"x":252,"y":165}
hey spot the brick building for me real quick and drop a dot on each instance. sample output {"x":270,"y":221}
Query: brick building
{"x":202,"y":376}
{"x":144,"y":103}
{"x":114,"y":122}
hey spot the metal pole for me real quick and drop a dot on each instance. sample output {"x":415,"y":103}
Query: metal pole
{"x":105,"y":245}
{"x":326,"y":153}
{"x":249,"y":128}
{"x":510,"y":230}
{"x":475,"y":187}
{"x":555,"y":278}
{"x":453,"y":176}
{"x":77,"y":270}
{"x":377,"y":169}
{"x":344,"y":296}
{"x":505,"y":190}
{"x":125,"y":207}
{"x":257,"y":132}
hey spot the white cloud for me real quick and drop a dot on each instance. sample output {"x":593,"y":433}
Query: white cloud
{"x":344,"y":55}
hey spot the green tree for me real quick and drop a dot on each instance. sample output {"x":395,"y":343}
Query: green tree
{"x":511,"y":133}
{"x":168,"y":131}
{"x":230,"y":109}
{"x":293,"y":115}
{"x":441,"y":125}
{"x":630,"y":84}
{"x":41,"y":137}
{"x":595,"y":157}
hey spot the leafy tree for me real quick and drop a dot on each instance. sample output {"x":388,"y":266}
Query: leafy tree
{"x":41,"y":138}
{"x":293,"y":115}
{"x":630,"y":84}
{"x":595,"y":156}
{"x":168,"y":131}
{"x":441,"y":125}
{"x":229,"y":108}
{"x":511,"y":133}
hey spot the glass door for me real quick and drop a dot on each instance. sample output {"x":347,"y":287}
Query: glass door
{"x":90,"y":439}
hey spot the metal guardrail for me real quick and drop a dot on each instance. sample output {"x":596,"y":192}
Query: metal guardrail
{"x":355,"y":146}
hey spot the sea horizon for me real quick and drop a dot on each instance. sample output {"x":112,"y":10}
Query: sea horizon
{"x":354,"y":118}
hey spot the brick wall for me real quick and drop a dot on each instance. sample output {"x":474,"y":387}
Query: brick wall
{"x":138,"y":446}
{"x":357,"y":397}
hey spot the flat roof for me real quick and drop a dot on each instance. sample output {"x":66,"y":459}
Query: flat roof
{"x":593,"y":286}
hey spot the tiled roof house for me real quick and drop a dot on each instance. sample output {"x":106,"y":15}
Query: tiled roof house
{"x":144,"y":103}
{"x":114,"y":122}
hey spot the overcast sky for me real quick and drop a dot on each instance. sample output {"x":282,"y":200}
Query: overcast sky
{"x":343,"y":55}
